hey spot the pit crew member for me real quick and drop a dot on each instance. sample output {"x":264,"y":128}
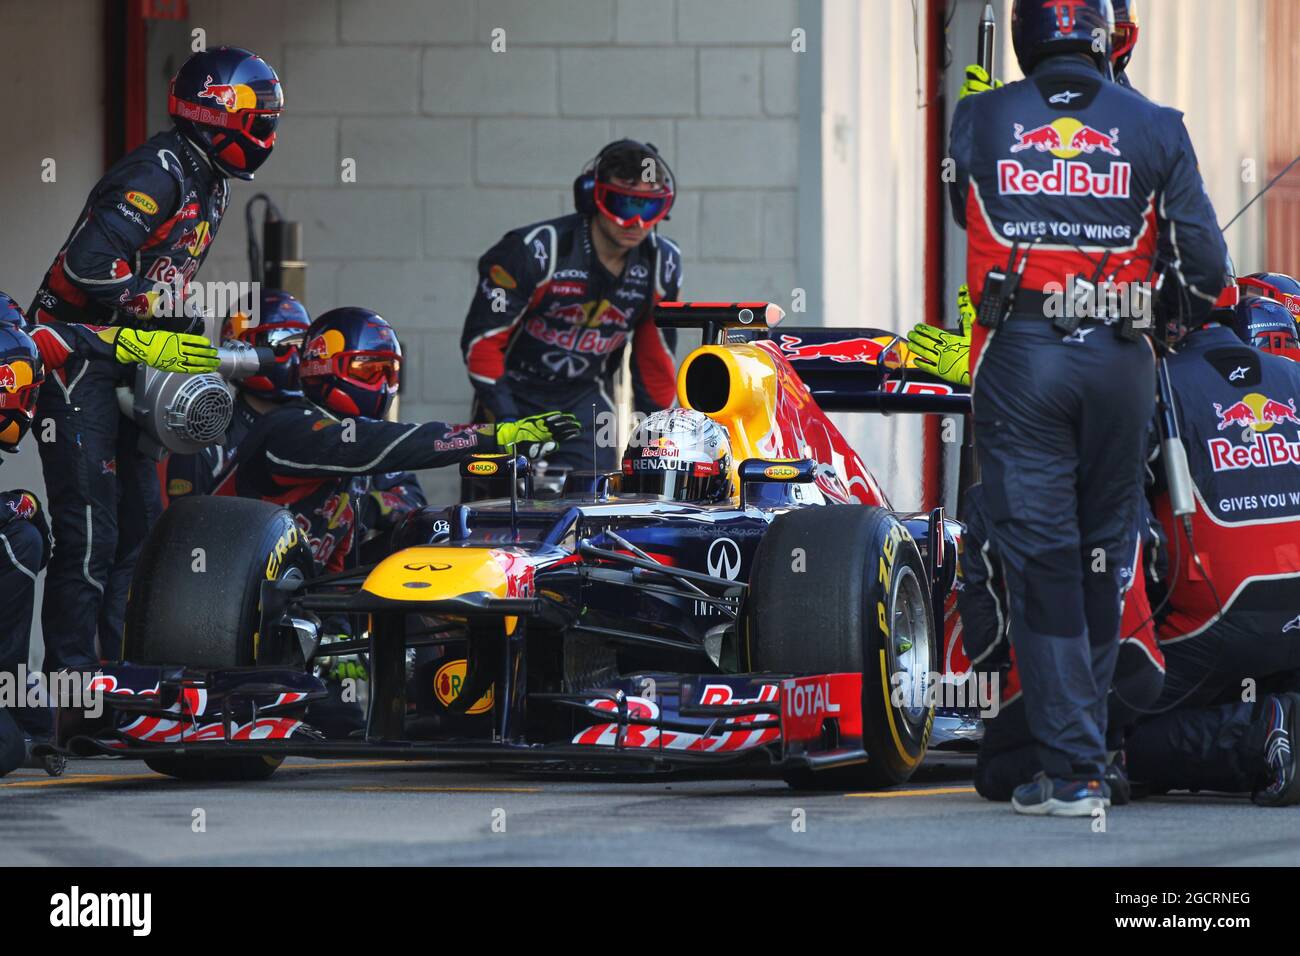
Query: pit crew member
{"x":557,"y":302}
{"x":1061,"y":408}
{"x":1226,"y":719}
{"x":281,"y":327}
{"x":303,"y":453}
{"x":129,"y":260}
{"x":26,"y":353}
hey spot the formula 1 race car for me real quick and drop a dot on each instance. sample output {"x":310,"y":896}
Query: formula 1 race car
{"x":798,"y":624}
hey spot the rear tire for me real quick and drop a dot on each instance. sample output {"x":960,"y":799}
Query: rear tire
{"x":857,"y":600}
{"x":196,"y":600}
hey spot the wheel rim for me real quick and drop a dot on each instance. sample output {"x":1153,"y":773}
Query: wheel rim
{"x":909,"y":645}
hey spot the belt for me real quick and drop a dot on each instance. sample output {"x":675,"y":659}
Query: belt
{"x":1033,"y":304}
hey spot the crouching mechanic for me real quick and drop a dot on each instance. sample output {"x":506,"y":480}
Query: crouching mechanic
{"x":25,"y":354}
{"x":303,"y":453}
{"x":1227,"y":719}
{"x":558,"y":302}
{"x":281,"y":328}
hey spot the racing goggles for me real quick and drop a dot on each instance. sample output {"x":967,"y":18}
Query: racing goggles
{"x":281,"y":339}
{"x":1282,"y":342}
{"x":1123,"y":40}
{"x":257,"y":123}
{"x":21,"y":399}
{"x":633,"y":208}
{"x":368,"y":370}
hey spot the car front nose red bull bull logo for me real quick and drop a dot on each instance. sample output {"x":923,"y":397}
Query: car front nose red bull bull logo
{"x":1064,"y":138}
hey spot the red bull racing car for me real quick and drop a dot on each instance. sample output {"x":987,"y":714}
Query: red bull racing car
{"x":796,"y":625}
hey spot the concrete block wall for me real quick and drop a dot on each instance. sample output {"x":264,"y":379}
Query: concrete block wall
{"x":455,"y":144}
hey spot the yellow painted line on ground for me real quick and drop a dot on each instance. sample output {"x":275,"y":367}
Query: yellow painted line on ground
{"x":73,"y":779}
{"x":401,"y":789}
{"x":77,"y":778}
{"x":928,"y":792}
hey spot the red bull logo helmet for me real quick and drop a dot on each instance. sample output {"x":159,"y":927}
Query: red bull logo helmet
{"x":351,"y":363}
{"x":227,"y":101}
{"x":21,"y":375}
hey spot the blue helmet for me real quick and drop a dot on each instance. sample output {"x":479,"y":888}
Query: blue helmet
{"x":11,"y":313}
{"x":1043,"y":28}
{"x":1266,"y":325}
{"x":227,"y":101}
{"x":21,"y":374}
{"x":351,"y":363}
{"x":282,"y":328}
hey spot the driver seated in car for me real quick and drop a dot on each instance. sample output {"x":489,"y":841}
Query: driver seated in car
{"x":678,"y":454}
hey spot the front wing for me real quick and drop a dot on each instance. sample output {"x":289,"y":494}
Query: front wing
{"x":647,"y":721}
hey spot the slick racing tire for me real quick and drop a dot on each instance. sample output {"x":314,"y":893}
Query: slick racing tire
{"x":196,"y":600}
{"x":838,"y":589}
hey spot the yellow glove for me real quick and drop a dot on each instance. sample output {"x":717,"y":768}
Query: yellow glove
{"x":943,"y":353}
{"x":535,"y":435}
{"x":166,"y":351}
{"x":977,"y":81}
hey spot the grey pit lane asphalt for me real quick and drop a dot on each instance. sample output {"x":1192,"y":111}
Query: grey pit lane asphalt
{"x":116,"y":812}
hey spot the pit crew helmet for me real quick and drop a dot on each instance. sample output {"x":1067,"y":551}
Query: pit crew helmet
{"x":21,"y":374}
{"x":627,"y":159}
{"x":11,"y":313}
{"x":1043,"y":28}
{"x":1125,"y":36}
{"x":1268,"y":326}
{"x":227,"y":102}
{"x":351,"y":363}
{"x":281,"y":327}
{"x":678,"y":454}
{"x":1274,"y":285}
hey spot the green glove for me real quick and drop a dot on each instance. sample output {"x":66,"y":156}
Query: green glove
{"x":166,"y":351}
{"x":977,"y":81}
{"x":349,"y":669}
{"x":943,"y":353}
{"x":537,"y":435}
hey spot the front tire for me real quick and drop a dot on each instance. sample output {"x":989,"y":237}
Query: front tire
{"x":842,"y":588}
{"x":196,"y":600}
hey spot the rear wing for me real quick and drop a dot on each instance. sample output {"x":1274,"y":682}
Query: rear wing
{"x":846,"y":369}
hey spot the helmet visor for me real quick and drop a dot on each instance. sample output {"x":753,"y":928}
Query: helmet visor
{"x":698,"y":482}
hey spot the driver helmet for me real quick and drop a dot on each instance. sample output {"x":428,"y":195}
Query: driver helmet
{"x":678,"y":454}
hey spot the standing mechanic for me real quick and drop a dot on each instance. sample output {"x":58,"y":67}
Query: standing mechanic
{"x":1227,"y":719}
{"x":1062,"y":176}
{"x":142,"y":236}
{"x":557,"y":302}
{"x":25,"y":355}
